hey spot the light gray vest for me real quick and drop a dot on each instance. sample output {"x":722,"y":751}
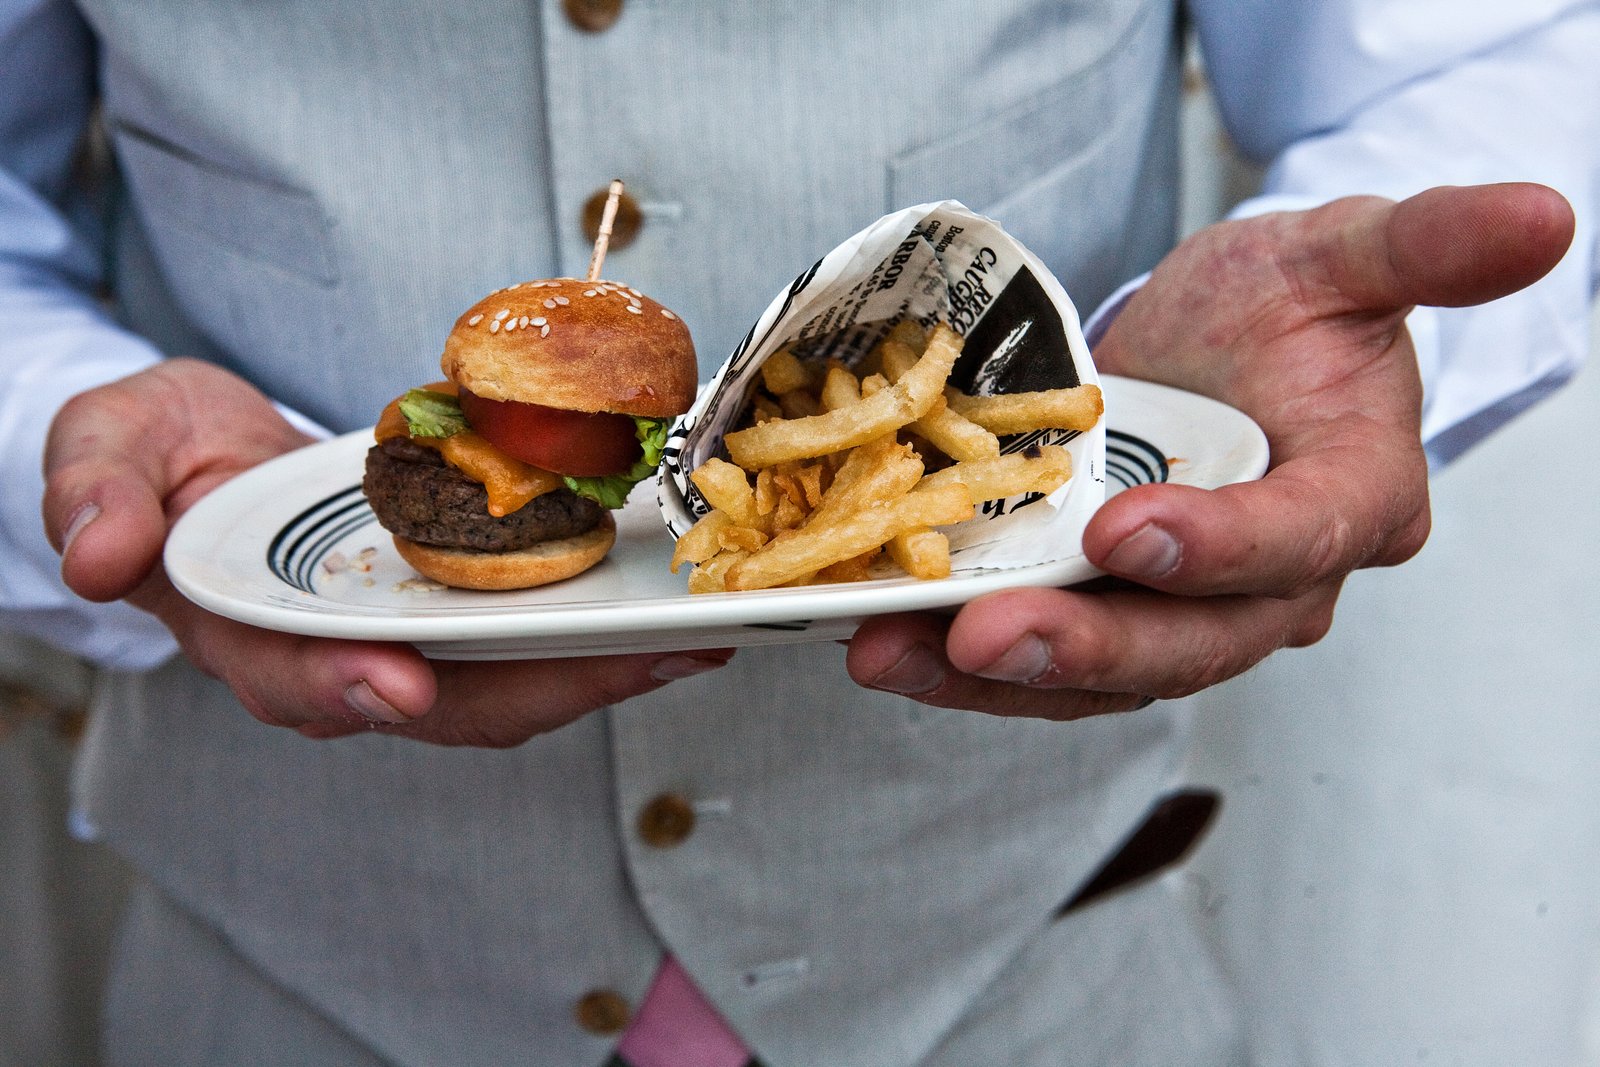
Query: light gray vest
{"x":315,"y":189}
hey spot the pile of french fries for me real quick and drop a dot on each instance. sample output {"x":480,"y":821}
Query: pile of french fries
{"x":851,"y":467}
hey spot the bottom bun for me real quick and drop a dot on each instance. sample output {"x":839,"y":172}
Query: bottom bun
{"x":543,"y":563}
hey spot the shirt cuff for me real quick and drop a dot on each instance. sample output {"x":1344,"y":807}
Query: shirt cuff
{"x":49,"y":360}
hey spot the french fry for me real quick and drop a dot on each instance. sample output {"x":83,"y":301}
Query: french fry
{"x":896,"y":358}
{"x":901,"y":404}
{"x":766,"y":492}
{"x":840,"y":461}
{"x":800,"y":484}
{"x":921,"y":553}
{"x":702,"y":541}
{"x":711,"y":576}
{"x":955,"y":435}
{"x":819,"y":544}
{"x":788,"y":514}
{"x":910,"y":333}
{"x":1077,"y":408}
{"x":1044,"y":471}
{"x":727,"y":488}
{"x":783,"y":373}
{"x":742,"y":538}
{"x":880,"y":470}
{"x":839,"y":389}
{"x":799,"y":404}
{"x":854,"y":569}
{"x":763,"y":408}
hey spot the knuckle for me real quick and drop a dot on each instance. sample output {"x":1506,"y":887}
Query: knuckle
{"x":1315,"y":623}
{"x":1333,"y":551}
{"x":1212,"y":661}
{"x":1311,"y":629}
{"x":82,"y":408}
{"x":1409,"y":539}
{"x":475,"y":734}
{"x":1085,"y":653}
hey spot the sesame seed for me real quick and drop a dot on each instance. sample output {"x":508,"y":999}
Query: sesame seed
{"x":668,"y":314}
{"x":494,"y":327}
{"x":544,"y":331}
{"x":563,"y":301}
{"x":475,"y":320}
{"x":511,"y":324}
{"x":549,"y":303}
{"x":523,"y":321}
{"x":502,"y":313}
{"x":634,"y":308}
{"x":536,"y":322}
{"x":588,"y":292}
{"x":635,"y":292}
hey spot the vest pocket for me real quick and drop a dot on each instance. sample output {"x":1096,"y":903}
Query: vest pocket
{"x":986,"y":162}
{"x":248,"y":215}
{"x":1081,"y":172}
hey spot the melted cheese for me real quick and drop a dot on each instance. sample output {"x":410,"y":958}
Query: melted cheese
{"x":509,"y":482}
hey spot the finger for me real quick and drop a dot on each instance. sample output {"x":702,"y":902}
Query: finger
{"x":122,"y":461}
{"x":1280,"y":536}
{"x":906,"y":654}
{"x":1446,"y":247}
{"x":104,"y":487}
{"x":326,"y":688}
{"x":504,"y":703}
{"x":1057,"y":654}
{"x":1129,"y":640}
{"x":293,"y":680}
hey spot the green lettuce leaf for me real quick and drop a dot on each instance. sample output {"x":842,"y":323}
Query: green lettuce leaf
{"x":430,"y":414}
{"x":612,"y":490}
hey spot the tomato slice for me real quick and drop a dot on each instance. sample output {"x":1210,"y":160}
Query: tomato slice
{"x":579,"y":443}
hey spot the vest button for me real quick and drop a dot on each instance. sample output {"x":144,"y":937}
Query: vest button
{"x":666,"y":822}
{"x":592,"y":16}
{"x":601,"y":1011}
{"x":624,"y":228}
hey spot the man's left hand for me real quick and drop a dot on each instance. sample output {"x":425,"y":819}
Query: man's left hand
{"x":1297,"y":319}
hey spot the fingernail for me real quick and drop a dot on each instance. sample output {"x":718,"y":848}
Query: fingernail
{"x":918,"y":671}
{"x":1026,"y":661}
{"x":673,"y":668}
{"x":361,"y":699}
{"x":85,"y":514}
{"x":1148,"y":552}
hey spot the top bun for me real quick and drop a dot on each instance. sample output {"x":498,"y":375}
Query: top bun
{"x":577,"y":345}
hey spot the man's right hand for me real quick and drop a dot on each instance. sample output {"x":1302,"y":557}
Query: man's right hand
{"x":124,"y":461}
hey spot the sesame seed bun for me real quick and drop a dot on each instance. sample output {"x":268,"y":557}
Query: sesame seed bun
{"x":541,"y":564}
{"x":577,"y":345}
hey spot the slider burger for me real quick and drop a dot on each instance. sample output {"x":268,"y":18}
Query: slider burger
{"x":558,"y":400}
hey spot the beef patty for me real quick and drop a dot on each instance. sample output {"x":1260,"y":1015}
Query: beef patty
{"x":417,"y":495}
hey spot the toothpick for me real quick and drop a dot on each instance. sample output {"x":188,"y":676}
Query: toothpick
{"x":603,"y":238}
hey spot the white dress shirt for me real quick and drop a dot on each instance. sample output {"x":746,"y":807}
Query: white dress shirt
{"x":1342,"y":96}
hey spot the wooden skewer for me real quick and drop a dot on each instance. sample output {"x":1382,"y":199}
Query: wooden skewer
{"x":603,"y":239}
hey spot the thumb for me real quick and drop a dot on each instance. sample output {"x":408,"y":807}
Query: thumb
{"x":1452,"y":246}
{"x":105,"y":483}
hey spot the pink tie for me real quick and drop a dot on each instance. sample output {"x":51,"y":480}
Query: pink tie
{"x":676,"y":1027}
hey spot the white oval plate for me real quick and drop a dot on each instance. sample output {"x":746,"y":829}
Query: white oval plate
{"x":278,"y":547}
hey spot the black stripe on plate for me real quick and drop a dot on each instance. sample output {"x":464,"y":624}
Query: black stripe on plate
{"x":300,"y":546}
{"x":1133,"y":461}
